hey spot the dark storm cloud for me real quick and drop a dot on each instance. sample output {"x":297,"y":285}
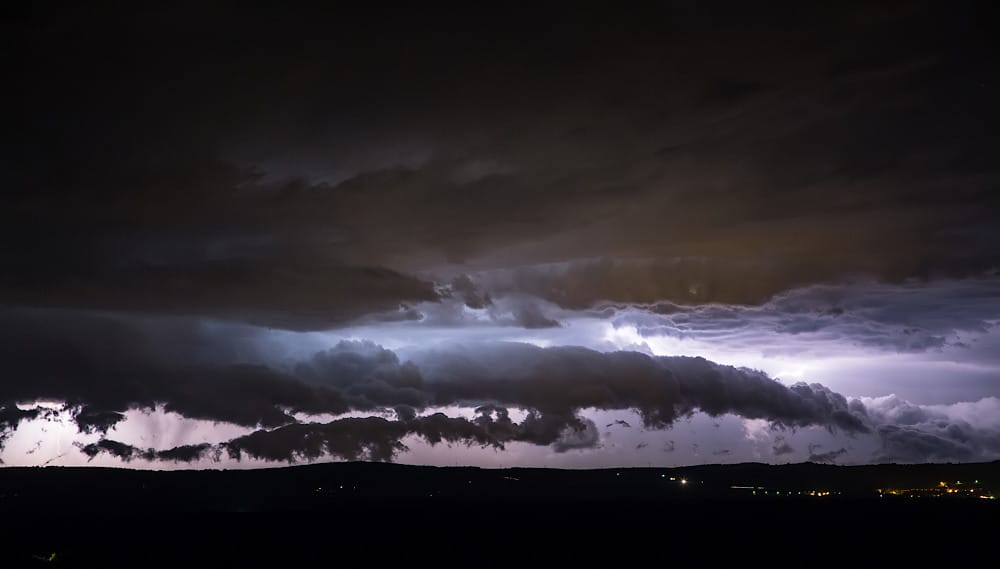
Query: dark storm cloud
{"x":134,"y":210}
{"x":582,"y":436}
{"x":90,"y":420}
{"x":910,"y":444}
{"x":719,"y":389}
{"x":104,"y":365}
{"x":561,"y":379}
{"x":117,"y":449}
{"x":826,"y":457}
{"x":293,"y":169}
{"x":185,"y":453}
{"x":370,"y":438}
{"x":467,"y":290}
{"x":368,"y":374}
{"x":305,"y":295}
{"x":126,"y":452}
{"x":685,"y":280}
{"x":782,"y":448}
{"x":404,"y":412}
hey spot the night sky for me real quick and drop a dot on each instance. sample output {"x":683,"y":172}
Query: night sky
{"x":500,"y":234}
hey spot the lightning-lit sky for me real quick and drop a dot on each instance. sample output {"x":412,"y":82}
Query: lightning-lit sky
{"x":682,"y":233}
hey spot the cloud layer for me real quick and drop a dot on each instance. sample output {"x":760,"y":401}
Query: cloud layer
{"x":72,"y":360}
{"x":696,"y":160}
{"x":909,"y":317}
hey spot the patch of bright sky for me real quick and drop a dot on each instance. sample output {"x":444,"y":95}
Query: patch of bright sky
{"x":47,"y":439}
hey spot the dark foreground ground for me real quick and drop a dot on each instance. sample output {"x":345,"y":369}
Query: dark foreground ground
{"x":391,"y":514}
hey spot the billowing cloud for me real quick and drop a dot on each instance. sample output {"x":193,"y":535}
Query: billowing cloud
{"x":909,"y":317}
{"x":958,"y":432}
{"x":91,"y":420}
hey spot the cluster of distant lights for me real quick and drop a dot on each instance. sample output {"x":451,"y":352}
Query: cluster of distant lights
{"x":943,"y":489}
{"x":767,"y":492}
{"x":673,"y":479}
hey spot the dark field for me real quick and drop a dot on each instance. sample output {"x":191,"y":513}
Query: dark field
{"x":321,"y":513}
